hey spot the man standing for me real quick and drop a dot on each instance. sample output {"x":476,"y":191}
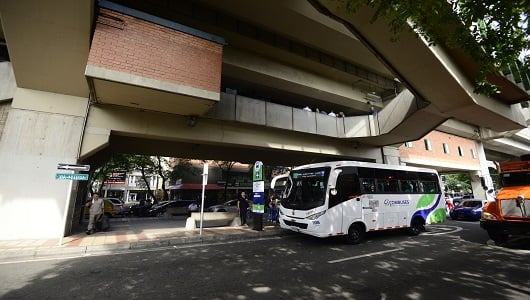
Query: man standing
{"x":97,"y":207}
{"x":242,"y":205}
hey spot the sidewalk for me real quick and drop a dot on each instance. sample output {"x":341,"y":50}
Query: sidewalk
{"x":128,"y":234}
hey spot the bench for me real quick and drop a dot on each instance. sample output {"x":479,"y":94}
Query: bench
{"x":212,"y":219}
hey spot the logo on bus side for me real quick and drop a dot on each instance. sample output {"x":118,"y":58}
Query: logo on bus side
{"x":397,"y":202}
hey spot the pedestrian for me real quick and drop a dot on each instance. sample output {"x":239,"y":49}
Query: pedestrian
{"x":97,"y":207}
{"x":243,"y":205}
{"x":373,"y":110}
{"x":307,"y":108}
{"x":193,"y":207}
{"x":332,"y":114}
{"x":273,"y":210}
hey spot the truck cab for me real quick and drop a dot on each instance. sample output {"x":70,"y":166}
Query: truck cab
{"x":509,"y":214}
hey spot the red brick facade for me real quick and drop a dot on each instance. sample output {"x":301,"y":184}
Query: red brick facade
{"x":149,"y":50}
{"x":418,"y":150}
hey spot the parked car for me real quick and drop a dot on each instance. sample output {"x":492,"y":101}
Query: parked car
{"x":127,"y":207}
{"x":159,"y":208}
{"x":228,"y":206}
{"x":470,"y":209}
{"x":118,"y":205}
{"x":458,"y":199}
{"x":111,"y":208}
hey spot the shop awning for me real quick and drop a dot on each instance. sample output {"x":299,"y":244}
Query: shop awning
{"x":193,"y":186}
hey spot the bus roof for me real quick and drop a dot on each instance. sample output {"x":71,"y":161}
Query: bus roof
{"x":352,"y":163}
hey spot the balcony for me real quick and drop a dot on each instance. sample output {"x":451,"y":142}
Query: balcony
{"x":145,"y":62}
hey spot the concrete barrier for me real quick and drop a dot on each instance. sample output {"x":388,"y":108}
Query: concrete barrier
{"x":175,"y":211}
{"x":212,"y":219}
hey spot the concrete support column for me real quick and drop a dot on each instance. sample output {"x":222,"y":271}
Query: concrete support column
{"x":42,"y":130}
{"x":481,"y":181}
{"x":391,"y":155}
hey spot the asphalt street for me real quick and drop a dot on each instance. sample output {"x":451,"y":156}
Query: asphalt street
{"x":454,"y":260}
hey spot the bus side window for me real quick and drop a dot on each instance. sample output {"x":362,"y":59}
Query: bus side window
{"x":347,"y":187}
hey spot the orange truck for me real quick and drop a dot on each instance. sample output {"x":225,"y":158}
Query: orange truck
{"x":509,"y":214}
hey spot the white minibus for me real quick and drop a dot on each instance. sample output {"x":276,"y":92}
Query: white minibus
{"x":350,"y":198}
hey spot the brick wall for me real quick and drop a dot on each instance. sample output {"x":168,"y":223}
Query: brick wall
{"x":146,"y":49}
{"x":437,"y":154}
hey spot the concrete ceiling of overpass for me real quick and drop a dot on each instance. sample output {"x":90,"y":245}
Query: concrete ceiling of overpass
{"x":49,"y":41}
{"x":144,"y":146}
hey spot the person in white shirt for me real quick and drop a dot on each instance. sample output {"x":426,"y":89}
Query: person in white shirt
{"x":307,"y":108}
{"x":332,"y":114}
{"x":97,"y":207}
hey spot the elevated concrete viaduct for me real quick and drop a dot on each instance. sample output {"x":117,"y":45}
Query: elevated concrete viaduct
{"x":219,"y":80}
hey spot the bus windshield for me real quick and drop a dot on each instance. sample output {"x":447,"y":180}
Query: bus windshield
{"x":515,"y":179}
{"x":306,"y":189}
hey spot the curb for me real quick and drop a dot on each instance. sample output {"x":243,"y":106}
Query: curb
{"x":12,"y":255}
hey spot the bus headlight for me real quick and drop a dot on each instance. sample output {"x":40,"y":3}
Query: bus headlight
{"x":488,"y":216}
{"x":316,"y":216}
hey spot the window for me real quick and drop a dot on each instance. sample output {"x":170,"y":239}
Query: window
{"x":386,"y":181}
{"x":446,"y":148}
{"x":460,"y":151}
{"x":428,"y":145}
{"x":408,"y":144}
{"x":473,"y":154}
{"x":429,"y":183}
{"x":347,"y":186}
{"x":408,"y":182}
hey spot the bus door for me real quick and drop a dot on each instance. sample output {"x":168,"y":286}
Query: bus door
{"x":346,"y":204}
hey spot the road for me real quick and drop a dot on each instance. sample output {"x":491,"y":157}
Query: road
{"x":453,"y":260}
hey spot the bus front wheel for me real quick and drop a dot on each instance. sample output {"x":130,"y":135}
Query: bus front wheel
{"x":356,"y":234}
{"x":498,"y":236}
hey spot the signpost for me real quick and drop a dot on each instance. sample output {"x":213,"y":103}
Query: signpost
{"x":204,"y":183}
{"x":73,"y":167}
{"x":258,"y":195}
{"x":71,"y":177}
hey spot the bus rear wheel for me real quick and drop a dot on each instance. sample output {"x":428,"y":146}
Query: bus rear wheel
{"x":416,"y":227}
{"x":356,"y":234}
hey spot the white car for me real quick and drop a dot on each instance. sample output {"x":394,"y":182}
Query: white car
{"x":228,"y":206}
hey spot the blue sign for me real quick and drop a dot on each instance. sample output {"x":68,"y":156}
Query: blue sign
{"x":258,"y":189}
{"x":62,"y":176}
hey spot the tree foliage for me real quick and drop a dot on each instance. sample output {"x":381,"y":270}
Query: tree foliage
{"x":460,"y":182}
{"x":494,"y":33}
{"x":98,"y":176}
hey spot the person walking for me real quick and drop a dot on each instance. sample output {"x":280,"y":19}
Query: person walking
{"x":97,"y":207}
{"x":243,"y":205}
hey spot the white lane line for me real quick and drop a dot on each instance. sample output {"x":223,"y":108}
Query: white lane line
{"x":442,"y":229}
{"x":364,"y":255}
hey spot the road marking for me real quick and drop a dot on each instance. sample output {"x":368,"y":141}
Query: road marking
{"x":442,"y":229}
{"x":364,"y":255}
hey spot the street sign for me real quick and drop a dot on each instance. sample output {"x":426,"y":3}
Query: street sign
{"x":73,"y":167}
{"x":62,"y":176}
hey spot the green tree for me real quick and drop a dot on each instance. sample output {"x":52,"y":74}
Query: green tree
{"x":460,"y":182}
{"x":147,"y":167}
{"x":226,"y":168}
{"x":494,"y":33}
{"x":181,"y":167}
{"x":98,"y":176}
